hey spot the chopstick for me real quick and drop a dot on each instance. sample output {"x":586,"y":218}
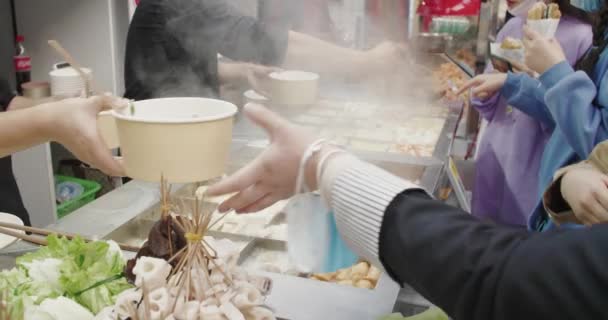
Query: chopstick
{"x":8,"y":229}
{"x":69,"y":59}
{"x":25,"y":237}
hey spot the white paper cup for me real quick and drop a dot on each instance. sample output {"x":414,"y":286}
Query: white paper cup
{"x":545,"y":27}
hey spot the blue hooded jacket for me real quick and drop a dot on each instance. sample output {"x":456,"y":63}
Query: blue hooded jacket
{"x":577,"y":111}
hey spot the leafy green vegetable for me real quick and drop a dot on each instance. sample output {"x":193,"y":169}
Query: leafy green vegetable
{"x":88,"y":273}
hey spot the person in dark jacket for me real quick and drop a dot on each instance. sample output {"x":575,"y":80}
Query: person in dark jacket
{"x":173,"y":47}
{"x":10,"y":197}
{"x":471,"y":269}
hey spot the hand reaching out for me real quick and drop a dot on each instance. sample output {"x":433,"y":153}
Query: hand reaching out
{"x":484,"y":86}
{"x":272,"y":175}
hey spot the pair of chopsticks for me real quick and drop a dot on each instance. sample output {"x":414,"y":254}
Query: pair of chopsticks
{"x":12,"y":230}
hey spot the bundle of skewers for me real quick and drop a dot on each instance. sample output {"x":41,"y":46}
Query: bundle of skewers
{"x":179,"y":275}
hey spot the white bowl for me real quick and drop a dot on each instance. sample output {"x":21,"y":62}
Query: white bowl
{"x":293,"y":87}
{"x":6,"y":240}
{"x":183,"y":139}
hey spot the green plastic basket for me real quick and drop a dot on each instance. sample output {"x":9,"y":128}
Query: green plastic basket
{"x":90,"y":192}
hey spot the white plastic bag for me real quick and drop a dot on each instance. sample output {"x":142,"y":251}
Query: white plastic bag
{"x":307,"y":232}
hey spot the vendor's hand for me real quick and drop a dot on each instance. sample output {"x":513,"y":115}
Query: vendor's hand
{"x":256,"y":74}
{"x":484,"y":85}
{"x":586,"y":191}
{"x":272,"y":175}
{"x":73,"y":123}
{"x":384,"y":57}
{"x":240,"y":73}
{"x":541,"y":53}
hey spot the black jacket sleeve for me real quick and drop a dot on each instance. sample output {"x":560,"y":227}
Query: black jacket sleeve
{"x":6,"y":94}
{"x":477,"y":270}
{"x":204,"y":24}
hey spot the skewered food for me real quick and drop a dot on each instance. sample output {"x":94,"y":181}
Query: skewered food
{"x":195,"y":281}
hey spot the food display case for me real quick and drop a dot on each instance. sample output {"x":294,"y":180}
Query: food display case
{"x":409,"y":135}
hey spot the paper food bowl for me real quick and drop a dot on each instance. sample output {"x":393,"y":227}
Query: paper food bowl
{"x":293,"y":87}
{"x":184,"y":139}
{"x":107,"y":129}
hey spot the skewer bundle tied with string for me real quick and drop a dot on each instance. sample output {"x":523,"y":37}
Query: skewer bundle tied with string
{"x":197,"y":281}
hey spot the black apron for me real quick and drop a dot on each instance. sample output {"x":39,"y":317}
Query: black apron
{"x":10,"y":198}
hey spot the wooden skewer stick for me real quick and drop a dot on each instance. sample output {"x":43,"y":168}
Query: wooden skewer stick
{"x":32,"y":239}
{"x":70,"y":59}
{"x":6,"y":227}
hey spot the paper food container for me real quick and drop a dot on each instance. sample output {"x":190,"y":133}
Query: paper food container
{"x":516,"y":55}
{"x":107,"y":129}
{"x":184,"y":139}
{"x":297,"y":88}
{"x":545,"y":27}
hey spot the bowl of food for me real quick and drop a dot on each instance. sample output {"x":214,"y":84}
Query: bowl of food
{"x":183,"y":139}
{"x":292,"y":87}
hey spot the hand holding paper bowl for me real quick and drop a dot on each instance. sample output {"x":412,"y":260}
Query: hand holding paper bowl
{"x":183,"y":139}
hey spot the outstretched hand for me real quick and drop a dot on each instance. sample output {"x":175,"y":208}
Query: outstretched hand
{"x":272,"y":175}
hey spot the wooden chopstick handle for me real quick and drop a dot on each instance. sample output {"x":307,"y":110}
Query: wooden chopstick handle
{"x":45,"y":232}
{"x":25,"y":237}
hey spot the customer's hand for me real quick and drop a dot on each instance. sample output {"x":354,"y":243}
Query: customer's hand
{"x":541,"y":53}
{"x":272,"y":175}
{"x":586,"y":191}
{"x":484,"y":85}
{"x":73,"y":123}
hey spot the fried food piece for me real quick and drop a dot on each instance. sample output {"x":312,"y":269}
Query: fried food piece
{"x":538,"y":11}
{"x":553,"y":11}
{"x":373,"y":273}
{"x":343,"y":274}
{"x":327,"y":277}
{"x":511,"y":44}
{"x":360,"y":269}
{"x":365,"y":284}
{"x":346,"y":283}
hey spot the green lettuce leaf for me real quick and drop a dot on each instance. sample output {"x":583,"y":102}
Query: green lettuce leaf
{"x":88,"y":273}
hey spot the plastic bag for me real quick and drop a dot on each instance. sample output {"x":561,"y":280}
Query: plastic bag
{"x":314,"y":244}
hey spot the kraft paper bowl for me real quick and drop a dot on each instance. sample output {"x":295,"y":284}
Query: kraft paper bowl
{"x":297,"y":88}
{"x":184,"y":139}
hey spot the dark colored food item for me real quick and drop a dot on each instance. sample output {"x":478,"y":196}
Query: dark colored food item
{"x":165,"y":239}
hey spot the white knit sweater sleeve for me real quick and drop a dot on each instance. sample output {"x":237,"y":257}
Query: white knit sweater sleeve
{"x":359,"y":193}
